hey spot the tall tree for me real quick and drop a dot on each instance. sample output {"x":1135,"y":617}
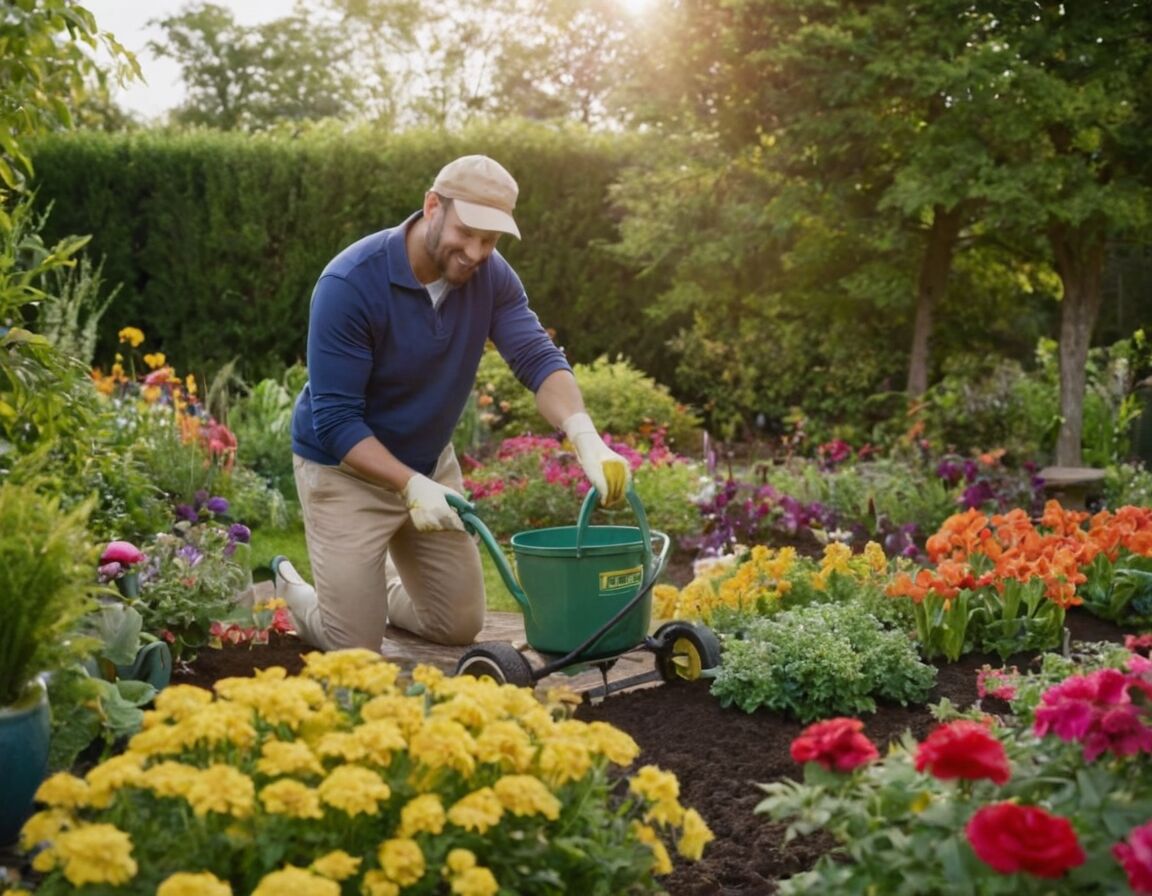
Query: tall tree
{"x":241,"y":77}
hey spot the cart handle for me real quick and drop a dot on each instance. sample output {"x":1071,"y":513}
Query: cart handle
{"x":474,"y":525}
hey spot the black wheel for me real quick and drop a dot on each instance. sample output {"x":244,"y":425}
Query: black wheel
{"x":684,"y":650}
{"x":499,"y":661}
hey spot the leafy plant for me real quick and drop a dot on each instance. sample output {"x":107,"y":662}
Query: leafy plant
{"x":820,"y":661}
{"x":344,"y":779}
{"x":45,"y":583}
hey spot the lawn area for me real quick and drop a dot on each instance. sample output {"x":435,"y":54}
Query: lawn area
{"x":267,"y":543}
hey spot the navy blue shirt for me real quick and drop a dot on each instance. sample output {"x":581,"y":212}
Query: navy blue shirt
{"x":383,"y":362}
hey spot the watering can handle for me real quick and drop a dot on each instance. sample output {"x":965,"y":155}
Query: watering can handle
{"x":590,"y":501}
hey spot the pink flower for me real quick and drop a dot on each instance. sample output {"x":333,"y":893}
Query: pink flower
{"x":1011,"y":838}
{"x":836,"y":744}
{"x":997,"y":683}
{"x":1135,"y":855}
{"x":966,"y":750}
{"x":1097,"y":711}
{"x":123,"y":552}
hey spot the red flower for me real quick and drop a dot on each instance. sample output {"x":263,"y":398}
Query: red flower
{"x":1012,"y":838}
{"x":836,"y":744}
{"x":963,"y":749}
{"x":1135,"y":855}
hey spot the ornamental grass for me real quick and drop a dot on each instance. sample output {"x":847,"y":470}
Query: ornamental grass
{"x":341,"y":780}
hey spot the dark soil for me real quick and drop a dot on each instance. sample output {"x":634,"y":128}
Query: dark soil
{"x":719,"y":755}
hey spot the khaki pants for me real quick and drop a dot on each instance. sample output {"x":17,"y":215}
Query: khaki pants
{"x":373,"y":567}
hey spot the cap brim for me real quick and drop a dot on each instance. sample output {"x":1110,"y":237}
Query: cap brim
{"x":484,"y":217}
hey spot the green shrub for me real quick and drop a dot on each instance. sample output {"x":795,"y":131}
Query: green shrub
{"x":620,"y":398}
{"x":262,"y":423}
{"x":820,"y":661}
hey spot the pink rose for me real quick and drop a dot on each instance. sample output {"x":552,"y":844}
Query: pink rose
{"x":963,"y":749}
{"x":1135,"y":855}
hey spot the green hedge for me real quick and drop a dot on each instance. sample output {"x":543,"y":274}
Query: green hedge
{"x":218,"y":238}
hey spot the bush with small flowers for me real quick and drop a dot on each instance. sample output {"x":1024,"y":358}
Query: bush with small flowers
{"x":340,"y":780}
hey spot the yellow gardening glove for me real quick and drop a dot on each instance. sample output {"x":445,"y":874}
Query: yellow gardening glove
{"x":608,"y":472}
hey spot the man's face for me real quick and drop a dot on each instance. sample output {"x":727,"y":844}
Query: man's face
{"x":456,"y":249}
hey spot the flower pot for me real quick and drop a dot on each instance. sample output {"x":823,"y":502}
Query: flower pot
{"x":129,"y":584}
{"x":24,"y":729}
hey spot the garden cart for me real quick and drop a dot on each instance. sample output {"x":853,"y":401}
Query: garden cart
{"x":586,"y":595}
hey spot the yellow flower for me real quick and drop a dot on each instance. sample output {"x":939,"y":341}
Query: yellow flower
{"x":224,"y":789}
{"x":406,"y":712}
{"x":654,"y":784}
{"x":172,"y":779}
{"x":336,"y":865}
{"x":64,"y":791}
{"x":665,"y":602}
{"x":154,"y":360}
{"x":506,"y":744}
{"x":125,"y":770}
{"x":95,"y":854}
{"x":292,"y":881}
{"x":177,"y":702}
{"x":422,"y":814}
{"x":184,"y":883}
{"x":358,"y":668}
{"x":478,"y":811}
{"x":443,"y":743}
{"x":190,"y":384}
{"x":132,"y":335}
{"x":665,"y":812}
{"x":475,"y":882}
{"x":564,"y":759}
{"x":429,"y":676}
{"x":661,"y":861}
{"x":875,"y":558}
{"x":278,"y":700}
{"x":460,"y":860}
{"x":466,"y":710}
{"x":402,"y":860}
{"x":291,"y":798}
{"x":288,"y":758}
{"x":374,"y":742}
{"x":376,"y":883}
{"x":613,"y":744}
{"x":44,"y":826}
{"x":695,"y":835}
{"x":525,"y":795}
{"x":354,"y":790}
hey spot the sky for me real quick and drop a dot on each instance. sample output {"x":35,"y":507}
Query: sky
{"x":128,"y":21}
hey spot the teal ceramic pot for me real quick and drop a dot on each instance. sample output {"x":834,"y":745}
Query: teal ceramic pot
{"x":24,"y":730}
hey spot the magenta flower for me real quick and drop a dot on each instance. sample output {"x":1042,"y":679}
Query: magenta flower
{"x":123,"y":552}
{"x":1135,"y":856}
{"x":1097,"y":711}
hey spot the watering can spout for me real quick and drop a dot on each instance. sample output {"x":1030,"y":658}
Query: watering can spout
{"x":474,"y":525}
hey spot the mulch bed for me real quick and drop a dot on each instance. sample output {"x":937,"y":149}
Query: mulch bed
{"x":719,"y":755}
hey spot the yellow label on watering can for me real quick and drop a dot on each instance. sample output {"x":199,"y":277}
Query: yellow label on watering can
{"x":619,"y":579}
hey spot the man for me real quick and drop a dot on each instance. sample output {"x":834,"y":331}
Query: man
{"x":397,"y":325}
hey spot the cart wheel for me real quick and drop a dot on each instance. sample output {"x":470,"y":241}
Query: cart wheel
{"x":499,"y":661}
{"x":684,"y":650}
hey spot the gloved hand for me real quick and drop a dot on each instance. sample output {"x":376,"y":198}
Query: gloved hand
{"x":608,"y":472}
{"x":428,"y":505}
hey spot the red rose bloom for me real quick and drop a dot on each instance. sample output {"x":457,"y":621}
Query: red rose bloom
{"x":963,"y":749}
{"x":836,"y":744}
{"x":1012,"y":838}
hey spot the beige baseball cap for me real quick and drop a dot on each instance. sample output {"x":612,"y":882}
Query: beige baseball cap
{"x":483,"y":192}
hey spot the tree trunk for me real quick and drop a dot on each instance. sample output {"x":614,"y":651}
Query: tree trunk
{"x":933,"y":281}
{"x":1079,"y":255}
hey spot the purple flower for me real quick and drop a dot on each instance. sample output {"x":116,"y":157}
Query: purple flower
{"x":109,"y":571}
{"x":187,"y":512}
{"x":190,"y":554}
{"x":216,"y":505}
{"x":239,"y":532}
